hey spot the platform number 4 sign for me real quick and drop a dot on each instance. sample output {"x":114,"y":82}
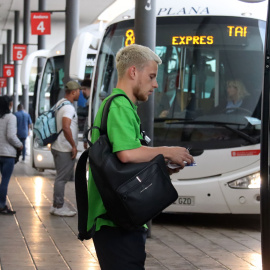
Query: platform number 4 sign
{"x":41,"y":23}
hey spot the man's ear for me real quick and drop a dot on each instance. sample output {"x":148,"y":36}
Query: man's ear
{"x":132,"y":72}
{"x":74,"y":92}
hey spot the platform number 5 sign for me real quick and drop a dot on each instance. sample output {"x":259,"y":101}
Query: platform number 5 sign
{"x":41,"y":23}
{"x":19,"y":51}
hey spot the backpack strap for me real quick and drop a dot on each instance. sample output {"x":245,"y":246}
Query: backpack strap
{"x":82,"y":199}
{"x":103,"y":125}
{"x":81,"y":193}
{"x":57,"y":108}
{"x":63,"y":103}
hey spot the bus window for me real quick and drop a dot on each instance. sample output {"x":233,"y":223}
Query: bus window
{"x":44,"y":102}
{"x":52,"y":85}
{"x":90,"y":63}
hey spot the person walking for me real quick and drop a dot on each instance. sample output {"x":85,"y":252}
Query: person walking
{"x":85,"y":84}
{"x":137,"y":67}
{"x":64,"y":149}
{"x":9,"y":143}
{"x":24,"y":124}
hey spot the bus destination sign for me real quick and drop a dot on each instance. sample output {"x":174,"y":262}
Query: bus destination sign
{"x":236,"y":33}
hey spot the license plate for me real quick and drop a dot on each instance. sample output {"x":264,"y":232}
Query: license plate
{"x":185,"y":200}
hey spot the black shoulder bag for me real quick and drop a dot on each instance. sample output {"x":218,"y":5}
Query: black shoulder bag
{"x":132,"y":193}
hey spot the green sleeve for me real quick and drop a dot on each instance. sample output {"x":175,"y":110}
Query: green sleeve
{"x":123,"y":128}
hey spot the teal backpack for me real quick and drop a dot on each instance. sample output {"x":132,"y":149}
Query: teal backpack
{"x":45,"y":129}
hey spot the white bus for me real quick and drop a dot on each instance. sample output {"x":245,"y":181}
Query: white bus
{"x":49,"y":87}
{"x":203,"y":45}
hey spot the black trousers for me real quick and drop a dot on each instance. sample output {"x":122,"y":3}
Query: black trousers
{"x":118,"y":249}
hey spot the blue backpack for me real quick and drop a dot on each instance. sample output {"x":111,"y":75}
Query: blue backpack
{"x":45,"y":128}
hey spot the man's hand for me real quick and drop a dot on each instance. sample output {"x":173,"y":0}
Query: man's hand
{"x":74,"y":152}
{"x":180,"y":154}
{"x":85,"y":145}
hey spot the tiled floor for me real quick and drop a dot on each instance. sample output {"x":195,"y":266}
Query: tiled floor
{"x":33,"y":239}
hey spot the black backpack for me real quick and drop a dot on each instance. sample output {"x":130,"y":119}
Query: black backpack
{"x":132,"y":193}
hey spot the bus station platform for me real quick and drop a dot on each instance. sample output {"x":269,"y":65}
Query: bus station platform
{"x":34,"y":239}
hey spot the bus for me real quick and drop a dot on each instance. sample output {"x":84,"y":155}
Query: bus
{"x":49,"y":86}
{"x":204,"y":46}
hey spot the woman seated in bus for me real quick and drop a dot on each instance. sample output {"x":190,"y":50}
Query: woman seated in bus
{"x":237,"y":98}
{"x":237,"y":95}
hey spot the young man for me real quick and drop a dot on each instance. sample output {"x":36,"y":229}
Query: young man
{"x":137,"y":68}
{"x":64,"y":149}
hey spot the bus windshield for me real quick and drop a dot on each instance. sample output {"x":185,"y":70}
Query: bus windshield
{"x":209,"y":82}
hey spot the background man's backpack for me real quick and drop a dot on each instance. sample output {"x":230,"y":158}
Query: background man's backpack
{"x":45,"y":129}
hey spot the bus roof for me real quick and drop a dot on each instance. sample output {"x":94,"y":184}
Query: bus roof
{"x":95,"y":29}
{"x":256,"y":9}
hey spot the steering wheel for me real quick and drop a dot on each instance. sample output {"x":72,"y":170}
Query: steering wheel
{"x":237,"y":109}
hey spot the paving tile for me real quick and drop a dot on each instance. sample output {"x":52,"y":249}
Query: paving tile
{"x":18,"y":267}
{"x":53,"y":267}
{"x":34,"y":239}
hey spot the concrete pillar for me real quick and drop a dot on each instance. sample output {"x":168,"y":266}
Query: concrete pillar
{"x":1,"y":73}
{"x":26,"y":34}
{"x":9,"y":54}
{"x":4,"y":61}
{"x":72,"y":27}
{"x":145,"y":34}
{"x":16,"y":64}
{"x":1,"y":65}
{"x":41,"y":38}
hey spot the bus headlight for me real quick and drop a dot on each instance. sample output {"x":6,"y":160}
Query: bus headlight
{"x":250,"y":181}
{"x":39,"y":157}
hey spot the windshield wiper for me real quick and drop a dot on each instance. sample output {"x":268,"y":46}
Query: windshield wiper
{"x":244,"y":135}
{"x":241,"y":134}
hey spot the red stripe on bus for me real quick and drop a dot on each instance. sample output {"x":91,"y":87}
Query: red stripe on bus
{"x":245,"y":153}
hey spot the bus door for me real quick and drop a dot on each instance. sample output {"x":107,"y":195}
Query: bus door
{"x":52,"y":85}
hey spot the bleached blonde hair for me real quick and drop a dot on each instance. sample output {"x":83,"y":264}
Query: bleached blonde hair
{"x":134,"y":55}
{"x":242,"y":92}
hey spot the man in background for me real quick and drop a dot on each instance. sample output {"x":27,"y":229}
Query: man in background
{"x":64,"y":149}
{"x":24,"y":124}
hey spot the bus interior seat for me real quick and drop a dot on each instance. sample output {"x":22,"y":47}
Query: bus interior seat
{"x":206,"y":104}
